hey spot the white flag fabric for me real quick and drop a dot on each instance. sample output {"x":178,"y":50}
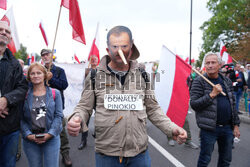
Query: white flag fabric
{"x":75,"y":74}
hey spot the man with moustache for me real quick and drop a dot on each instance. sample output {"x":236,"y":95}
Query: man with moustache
{"x":13,"y":87}
{"x":59,"y":81}
{"x":216,"y":114}
{"x":121,"y":136}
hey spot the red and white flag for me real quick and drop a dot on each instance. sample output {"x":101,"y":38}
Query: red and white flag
{"x":14,"y":45}
{"x":94,"y":51}
{"x":76,"y":58}
{"x":172,"y":91}
{"x":75,"y":19}
{"x":43,"y":34}
{"x":32,"y":58}
{"x":224,"y":55}
{"x":3,"y":4}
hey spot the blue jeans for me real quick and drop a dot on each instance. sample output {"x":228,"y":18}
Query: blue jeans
{"x":8,"y":149}
{"x":46,"y":154}
{"x":238,"y":95}
{"x":224,"y":137}
{"x":140,"y":160}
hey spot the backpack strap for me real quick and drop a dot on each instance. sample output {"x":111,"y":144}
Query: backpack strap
{"x":53,"y":93}
{"x":92,"y":77}
{"x":144,"y":74}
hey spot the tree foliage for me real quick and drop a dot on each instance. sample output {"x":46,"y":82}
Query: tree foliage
{"x":230,"y":23}
{"x":22,"y":54}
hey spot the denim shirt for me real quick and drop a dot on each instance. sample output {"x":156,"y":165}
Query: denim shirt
{"x":54,"y":114}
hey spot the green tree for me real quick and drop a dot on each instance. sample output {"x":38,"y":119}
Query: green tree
{"x":230,"y":23}
{"x":22,"y":54}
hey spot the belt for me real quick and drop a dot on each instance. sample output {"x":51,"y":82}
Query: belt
{"x":222,"y":125}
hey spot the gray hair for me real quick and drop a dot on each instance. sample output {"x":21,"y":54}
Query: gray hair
{"x":212,"y":53}
{"x":118,"y":30}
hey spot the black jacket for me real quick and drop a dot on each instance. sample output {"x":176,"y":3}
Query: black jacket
{"x":205,"y":107}
{"x":14,"y":89}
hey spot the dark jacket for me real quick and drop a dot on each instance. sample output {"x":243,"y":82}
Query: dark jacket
{"x":59,"y":80}
{"x":233,"y":78}
{"x":205,"y":107}
{"x":14,"y":89}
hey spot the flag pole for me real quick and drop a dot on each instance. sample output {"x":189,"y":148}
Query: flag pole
{"x":202,"y":76}
{"x":235,"y":60}
{"x":190,"y":47}
{"x":53,"y":47}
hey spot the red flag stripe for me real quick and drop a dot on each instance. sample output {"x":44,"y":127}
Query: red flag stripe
{"x":76,"y":58}
{"x":75,"y":20}
{"x":94,"y":51}
{"x":223,"y":49}
{"x":43,"y":34}
{"x":180,"y":93}
{"x":65,"y":3}
{"x":95,"y":46}
{"x":3,"y":4}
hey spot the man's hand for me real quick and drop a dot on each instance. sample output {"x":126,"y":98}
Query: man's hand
{"x":3,"y":103}
{"x":217,"y":89}
{"x":179,"y":134}
{"x":49,"y":75}
{"x":236,"y":131}
{"x":239,"y":80}
{"x":74,"y":126}
{"x":4,"y":112}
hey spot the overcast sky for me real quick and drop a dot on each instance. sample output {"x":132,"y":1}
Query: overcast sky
{"x":152,"y":22}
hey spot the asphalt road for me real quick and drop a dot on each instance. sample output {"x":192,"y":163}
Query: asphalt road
{"x":186,"y":156}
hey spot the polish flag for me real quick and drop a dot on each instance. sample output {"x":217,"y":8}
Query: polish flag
{"x":76,"y":58}
{"x":14,"y":45}
{"x":43,"y":33}
{"x":172,"y":91}
{"x":94,"y":51}
{"x":237,"y":74}
{"x":32,"y":58}
{"x":3,"y":4}
{"x":224,"y":55}
{"x":75,"y":20}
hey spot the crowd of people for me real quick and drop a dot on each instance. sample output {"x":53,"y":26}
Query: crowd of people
{"x":33,"y":104}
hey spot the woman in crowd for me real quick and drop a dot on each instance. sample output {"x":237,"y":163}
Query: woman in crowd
{"x":41,"y":121}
